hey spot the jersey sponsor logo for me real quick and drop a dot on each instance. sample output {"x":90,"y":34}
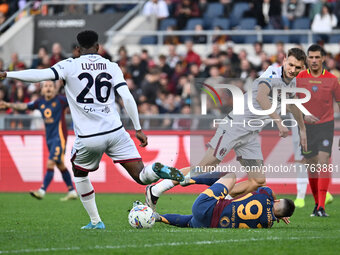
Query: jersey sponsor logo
{"x":88,"y":109}
{"x":224,"y":222}
{"x":223,"y":151}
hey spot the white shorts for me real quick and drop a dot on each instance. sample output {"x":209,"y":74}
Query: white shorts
{"x":245,"y":143}
{"x":87,"y":152}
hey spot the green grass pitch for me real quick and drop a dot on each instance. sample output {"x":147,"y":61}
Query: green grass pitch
{"x":29,"y":226}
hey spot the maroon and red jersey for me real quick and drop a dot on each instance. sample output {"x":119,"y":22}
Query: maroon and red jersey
{"x":323,"y":89}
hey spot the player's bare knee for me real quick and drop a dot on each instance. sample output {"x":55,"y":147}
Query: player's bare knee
{"x":61,"y":166}
{"x":50,"y":164}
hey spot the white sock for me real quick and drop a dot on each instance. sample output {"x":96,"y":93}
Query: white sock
{"x":161,"y":187}
{"x":87,"y":196}
{"x":147,"y":175}
{"x":301,"y":180}
{"x":228,"y":197}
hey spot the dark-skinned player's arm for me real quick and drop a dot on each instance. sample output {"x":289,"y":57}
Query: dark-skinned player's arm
{"x":30,"y":75}
{"x":132,"y":110}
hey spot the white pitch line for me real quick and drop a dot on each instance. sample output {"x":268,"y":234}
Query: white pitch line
{"x":115,"y":247}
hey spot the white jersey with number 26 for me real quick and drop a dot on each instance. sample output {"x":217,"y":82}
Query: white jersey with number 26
{"x":90,"y":84}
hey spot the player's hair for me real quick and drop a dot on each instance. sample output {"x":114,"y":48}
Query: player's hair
{"x":316,"y":47}
{"x":43,"y":82}
{"x":298,"y":54}
{"x":87,"y":38}
{"x":287,"y":208}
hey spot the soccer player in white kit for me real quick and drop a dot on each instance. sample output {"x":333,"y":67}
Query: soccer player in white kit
{"x":90,"y":82}
{"x":245,"y":139}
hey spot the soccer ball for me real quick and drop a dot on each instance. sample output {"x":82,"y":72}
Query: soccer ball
{"x":141,"y":216}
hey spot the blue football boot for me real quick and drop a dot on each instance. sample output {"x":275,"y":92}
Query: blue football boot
{"x":99,"y":225}
{"x":166,"y":172}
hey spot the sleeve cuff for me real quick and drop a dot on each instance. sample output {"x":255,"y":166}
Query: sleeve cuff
{"x":119,"y":85}
{"x":55,"y":73}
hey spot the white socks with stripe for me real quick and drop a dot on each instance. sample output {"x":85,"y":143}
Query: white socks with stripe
{"x":147,"y":175}
{"x":87,"y":196}
{"x":161,"y":187}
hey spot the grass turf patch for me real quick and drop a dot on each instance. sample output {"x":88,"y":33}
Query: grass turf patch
{"x":29,"y":226}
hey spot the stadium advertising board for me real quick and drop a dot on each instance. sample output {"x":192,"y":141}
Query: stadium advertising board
{"x":51,"y":29}
{"x":24,"y":153}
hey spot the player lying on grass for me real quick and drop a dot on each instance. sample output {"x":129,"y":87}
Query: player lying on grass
{"x":52,"y":108}
{"x":244,"y":140}
{"x":259,"y":209}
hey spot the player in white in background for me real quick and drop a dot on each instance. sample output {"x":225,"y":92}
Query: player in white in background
{"x":90,"y":82}
{"x":245,"y":139}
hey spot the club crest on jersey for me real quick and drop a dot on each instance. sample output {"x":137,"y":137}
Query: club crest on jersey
{"x":54,"y":104}
{"x":223,"y":151}
{"x":315,"y":88}
{"x":224,"y":221}
{"x":106,"y":109}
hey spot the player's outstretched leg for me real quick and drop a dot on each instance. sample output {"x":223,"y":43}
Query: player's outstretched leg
{"x":153,"y":192}
{"x":177,"y":220}
{"x":166,"y":172}
{"x":40,"y":193}
{"x":150,"y":198}
{"x":87,"y":197}
{"x":151,"y":173}
{"x":72,"y":194}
